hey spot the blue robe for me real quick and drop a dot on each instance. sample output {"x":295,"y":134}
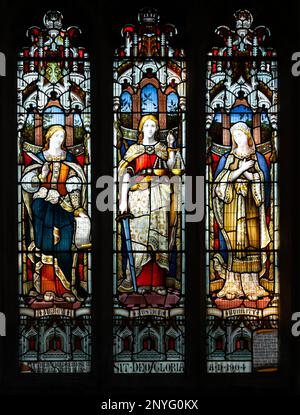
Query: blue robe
{"x":46,"y":216}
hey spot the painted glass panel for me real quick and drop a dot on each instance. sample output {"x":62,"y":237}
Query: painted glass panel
{"x":54,"y":245}
{"x":242,"y":206}
{"x":149,"y":154}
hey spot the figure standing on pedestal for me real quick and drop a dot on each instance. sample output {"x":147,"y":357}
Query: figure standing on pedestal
{"x":149,"y":203}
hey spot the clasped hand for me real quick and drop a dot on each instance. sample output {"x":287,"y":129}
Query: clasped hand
{"x":244,"y":166}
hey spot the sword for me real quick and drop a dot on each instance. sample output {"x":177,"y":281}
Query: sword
{"x":34,"y":157}
{"x":125,"y":222}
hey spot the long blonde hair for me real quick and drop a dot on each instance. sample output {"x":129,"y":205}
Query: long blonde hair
{"x":241,"y":126}
{"x":52,"y":130}
{"x":141,"y":125}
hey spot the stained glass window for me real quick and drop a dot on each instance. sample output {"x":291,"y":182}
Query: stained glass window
{"x":54,"y":205}
{"x":149,"y":152}
{"x":242,"y":211}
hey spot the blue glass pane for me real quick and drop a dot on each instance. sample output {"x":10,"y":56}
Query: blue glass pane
{"x":77,"y":120}
{"x":126,"y":102}
{"x":149,"y":99}
{"x":53,"y":116}
{"x":240,"y":113}
{"x":172,"y":102}
{"x":264,"y":119}
{"x":30,"y":119}
{"x":218,"y":117}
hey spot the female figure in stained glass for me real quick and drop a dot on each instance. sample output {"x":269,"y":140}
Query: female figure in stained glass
{"x":54,"y":194}
{"x":148,"y":201}
{"x":240,"y":199}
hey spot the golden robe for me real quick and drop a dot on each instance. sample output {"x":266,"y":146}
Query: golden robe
{"x":239,"y":208}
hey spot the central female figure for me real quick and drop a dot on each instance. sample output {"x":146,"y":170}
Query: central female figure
{"x":148,"y":199}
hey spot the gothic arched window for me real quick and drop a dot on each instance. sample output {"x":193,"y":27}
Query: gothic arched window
{"x":54,"y":205}
{"x":149,"y":267}
{"x":126,"y":109}
{"x":242,"y":207}
{"x":149,"y":99}
{"x":172,"y":109}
